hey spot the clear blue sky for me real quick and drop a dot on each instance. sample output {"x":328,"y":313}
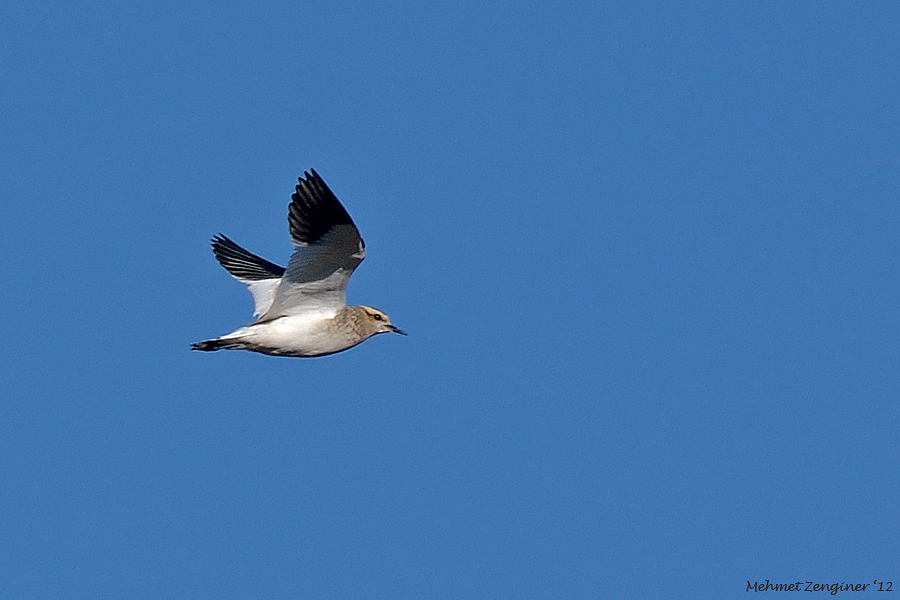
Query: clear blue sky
{"x":647,"y":254}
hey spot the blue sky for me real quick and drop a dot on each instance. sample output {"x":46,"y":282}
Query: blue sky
{"x":646,"y":253}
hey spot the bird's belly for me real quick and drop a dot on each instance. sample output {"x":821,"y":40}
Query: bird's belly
{"x":296,"y":336}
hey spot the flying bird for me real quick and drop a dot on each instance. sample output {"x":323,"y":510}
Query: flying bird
{"x":302,"y":310}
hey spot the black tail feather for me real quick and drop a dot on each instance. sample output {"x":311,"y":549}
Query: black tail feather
{"x":216,"y":344}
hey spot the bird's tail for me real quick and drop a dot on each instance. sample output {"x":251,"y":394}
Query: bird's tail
{"x":216,"y":344}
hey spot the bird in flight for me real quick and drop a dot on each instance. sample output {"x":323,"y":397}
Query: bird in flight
{"x":302,"y":310}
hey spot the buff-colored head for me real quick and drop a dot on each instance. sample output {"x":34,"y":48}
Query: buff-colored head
{"x":374,"y":321}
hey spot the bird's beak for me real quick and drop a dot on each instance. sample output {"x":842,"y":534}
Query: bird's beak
{"x":396,"y":329}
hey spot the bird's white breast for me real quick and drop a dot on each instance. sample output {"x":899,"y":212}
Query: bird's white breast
{"x":303,"y":335}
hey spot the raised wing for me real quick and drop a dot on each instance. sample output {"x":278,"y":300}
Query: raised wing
{"x":258,"y":274}
{"x":328,"y":249}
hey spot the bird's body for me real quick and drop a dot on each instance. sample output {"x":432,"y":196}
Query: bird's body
{"x":301,"y":310}
{"x":301,"y":335}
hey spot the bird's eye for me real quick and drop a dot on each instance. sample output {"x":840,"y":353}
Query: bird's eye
{"x":377,"y":317}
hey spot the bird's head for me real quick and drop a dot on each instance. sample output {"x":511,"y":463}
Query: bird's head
{"x":378,"y":322}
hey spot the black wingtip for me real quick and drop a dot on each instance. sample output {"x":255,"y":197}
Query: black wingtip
{"x":242,"y":263}
{"x":314,"y":209}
